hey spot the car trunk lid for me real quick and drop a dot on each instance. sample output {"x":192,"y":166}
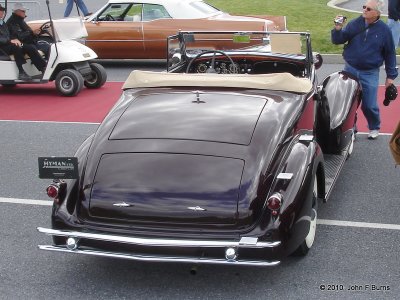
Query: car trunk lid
{"x":167,"y":188}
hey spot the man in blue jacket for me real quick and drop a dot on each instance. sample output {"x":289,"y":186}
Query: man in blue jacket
{"x":369,"y":45}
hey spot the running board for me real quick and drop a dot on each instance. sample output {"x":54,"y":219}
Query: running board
{"x":333,"y":165}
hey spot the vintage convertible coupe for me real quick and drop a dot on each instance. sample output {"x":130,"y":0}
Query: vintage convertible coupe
{"x":138,"y":29}
{"x":222,"y":160}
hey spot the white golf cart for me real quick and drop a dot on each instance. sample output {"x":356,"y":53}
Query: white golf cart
{"x":70,"y":63}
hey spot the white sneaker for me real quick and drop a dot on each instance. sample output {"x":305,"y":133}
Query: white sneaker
{"x":373,"y":134}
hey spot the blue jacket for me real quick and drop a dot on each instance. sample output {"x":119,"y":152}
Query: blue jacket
{"x":367,"y":49}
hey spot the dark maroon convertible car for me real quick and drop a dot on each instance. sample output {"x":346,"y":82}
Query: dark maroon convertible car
{"x":222,"y":159}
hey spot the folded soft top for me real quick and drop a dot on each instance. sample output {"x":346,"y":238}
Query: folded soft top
{"x":275,"y":81}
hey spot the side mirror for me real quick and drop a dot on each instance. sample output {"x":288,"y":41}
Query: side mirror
{"x":317,"y":59}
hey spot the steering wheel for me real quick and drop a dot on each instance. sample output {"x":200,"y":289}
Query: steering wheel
{"x":45,"y":28}
{"x":109,"y":17}
{"x":214,"y":52}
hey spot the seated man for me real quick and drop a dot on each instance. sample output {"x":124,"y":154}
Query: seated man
{"x":11,"y":46}
{"x":21,"y":31}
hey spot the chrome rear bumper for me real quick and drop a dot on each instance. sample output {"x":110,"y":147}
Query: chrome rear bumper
{"x":245,"y":242}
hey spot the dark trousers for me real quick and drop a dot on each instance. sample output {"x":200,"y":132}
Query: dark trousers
{"x":36,"y":58}
{"x":11,"y":49}
{"x":19,"y":53}
{"x":45,"y":47}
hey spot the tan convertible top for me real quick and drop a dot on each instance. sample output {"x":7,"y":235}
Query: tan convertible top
{"x":276,"y":81}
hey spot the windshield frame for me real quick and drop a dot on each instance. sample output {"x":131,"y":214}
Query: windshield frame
{"x":182,"y":54}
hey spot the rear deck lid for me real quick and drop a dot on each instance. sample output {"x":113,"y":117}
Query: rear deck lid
{"x":212,"y":116}
{"x":167,"y":188}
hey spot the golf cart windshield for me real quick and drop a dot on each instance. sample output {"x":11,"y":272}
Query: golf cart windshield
{"x":69,"y":29}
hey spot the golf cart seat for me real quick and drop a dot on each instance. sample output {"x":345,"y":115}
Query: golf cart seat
{"x":4,"y":56}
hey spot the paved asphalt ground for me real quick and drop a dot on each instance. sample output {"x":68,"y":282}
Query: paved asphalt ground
{"x":355,"y":255}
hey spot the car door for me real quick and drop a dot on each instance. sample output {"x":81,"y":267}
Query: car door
{"x":117,"y":32}
{"x":157,"y":27}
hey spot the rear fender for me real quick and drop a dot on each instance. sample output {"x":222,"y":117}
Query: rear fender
{"x":339,"y":98}
{"x":73,"y":189}
{"x":301,"y":165}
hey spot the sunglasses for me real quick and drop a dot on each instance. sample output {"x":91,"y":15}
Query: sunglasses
{"x":367,"y":8}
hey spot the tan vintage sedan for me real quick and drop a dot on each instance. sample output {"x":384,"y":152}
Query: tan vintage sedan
{"x":139,"y":29}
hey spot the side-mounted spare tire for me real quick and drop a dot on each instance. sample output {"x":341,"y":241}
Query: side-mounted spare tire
{"x":336,"y":112}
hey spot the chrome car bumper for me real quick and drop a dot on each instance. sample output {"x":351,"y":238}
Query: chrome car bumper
{"x":72,"y":246}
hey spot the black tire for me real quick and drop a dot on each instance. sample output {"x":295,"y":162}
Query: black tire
{"x":69,"y":82}
{"x":306,"y":245}
{"x":97,"y":78}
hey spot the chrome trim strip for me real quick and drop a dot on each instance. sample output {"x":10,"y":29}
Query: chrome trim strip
{"x":286,"y":176}
{"x":113,"y":41}
{"x":248,"y":240}
{"x":306,"y":138}
{"x":163,"y":258}
{"x":157,"y":242}
{"x":122,"y":204}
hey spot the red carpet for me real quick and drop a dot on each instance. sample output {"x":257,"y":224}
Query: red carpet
{"x":41,"y":102}
{"x":390,"y":115}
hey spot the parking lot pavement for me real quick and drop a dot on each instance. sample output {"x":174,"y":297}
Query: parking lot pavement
{"x":356,"y":5}
{"x":38,"y":8}
{"x":355,"y":255}
{"x":355,"y":249}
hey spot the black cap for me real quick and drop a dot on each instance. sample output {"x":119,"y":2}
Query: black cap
{"x":390,"y":94}
{"x":2,"y":8}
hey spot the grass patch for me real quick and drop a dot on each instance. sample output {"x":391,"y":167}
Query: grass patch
{"x":313,"y":16}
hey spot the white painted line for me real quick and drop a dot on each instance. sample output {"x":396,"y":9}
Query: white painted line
{"x":358,"y":224}
{"x":319,"y":221}
{"x":50,"y":122}
{"x":26,"y":201}
{"x":381,"y":133}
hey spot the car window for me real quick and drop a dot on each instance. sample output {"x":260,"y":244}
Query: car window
{"x":134,"y":14}
{"x":114,"y":12}
{"x":153,"y":12}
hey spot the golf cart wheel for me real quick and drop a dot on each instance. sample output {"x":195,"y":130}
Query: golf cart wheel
{"x":69,"y":82}
{"x":97,"y":78}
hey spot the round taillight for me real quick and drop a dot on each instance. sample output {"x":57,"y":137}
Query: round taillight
{"x":52,"y":191}
{"x":274,"y":202}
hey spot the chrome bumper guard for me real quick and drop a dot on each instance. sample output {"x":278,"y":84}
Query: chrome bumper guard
{"x":245,"y":242}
